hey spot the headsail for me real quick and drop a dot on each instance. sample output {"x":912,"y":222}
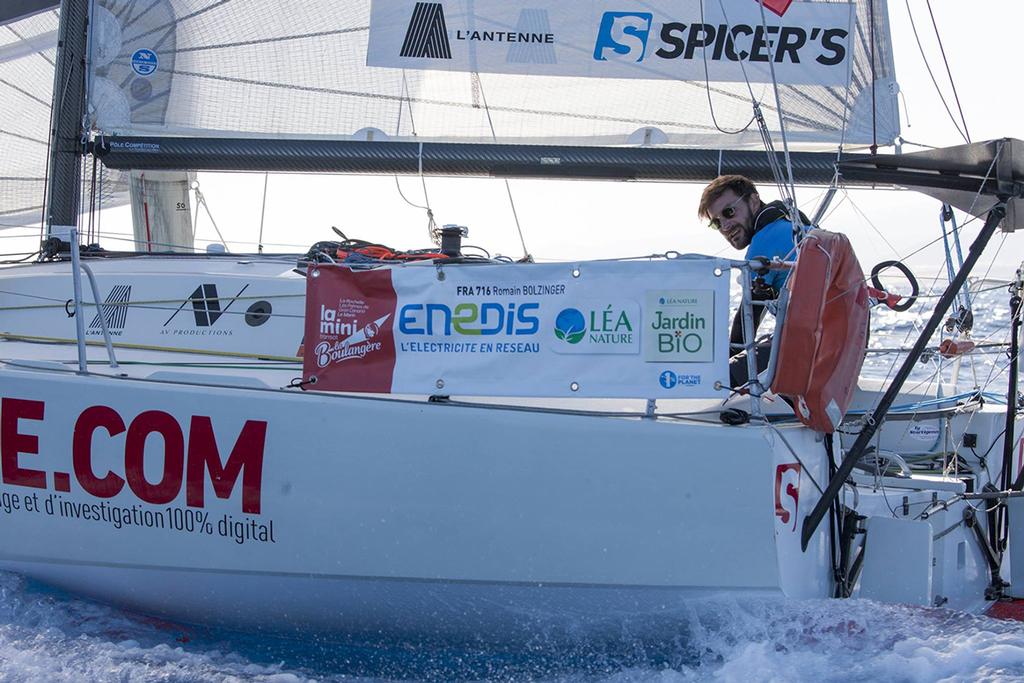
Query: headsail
{"x":284,"y":70}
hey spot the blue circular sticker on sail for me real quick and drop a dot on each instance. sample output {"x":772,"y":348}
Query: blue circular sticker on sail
{"x":144,"y":62}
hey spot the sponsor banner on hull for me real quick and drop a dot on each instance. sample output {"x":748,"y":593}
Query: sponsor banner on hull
{"x":612,"y":329}
{"x":806,"y":43}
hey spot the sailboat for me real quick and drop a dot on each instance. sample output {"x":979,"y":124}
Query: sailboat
{"x":431,"y":443}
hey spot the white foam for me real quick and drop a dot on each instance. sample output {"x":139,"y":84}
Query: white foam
{"x":50,"y":637}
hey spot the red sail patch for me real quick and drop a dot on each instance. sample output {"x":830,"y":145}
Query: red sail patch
{"x":349,"y":341}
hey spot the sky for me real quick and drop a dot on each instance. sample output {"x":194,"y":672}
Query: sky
{"x":576,"y":220}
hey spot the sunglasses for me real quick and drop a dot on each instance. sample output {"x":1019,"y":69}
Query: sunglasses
{"x":727,"y":213}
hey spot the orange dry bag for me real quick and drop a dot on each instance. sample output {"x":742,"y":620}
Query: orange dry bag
{"x":824,"y":332}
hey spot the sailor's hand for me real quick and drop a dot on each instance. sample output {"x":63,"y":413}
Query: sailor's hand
{"x":762,"y":291}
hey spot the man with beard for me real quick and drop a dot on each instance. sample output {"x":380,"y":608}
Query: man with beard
{"x":735,"y":209}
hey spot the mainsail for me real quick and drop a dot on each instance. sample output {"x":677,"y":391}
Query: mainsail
{"x":28,"y":40}
{"x":285,"y":71}
{"x":28,"y":47}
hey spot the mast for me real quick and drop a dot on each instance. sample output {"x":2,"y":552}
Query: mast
{"x":63,"y":193}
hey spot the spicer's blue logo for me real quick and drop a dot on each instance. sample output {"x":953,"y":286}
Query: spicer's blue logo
{"x":570,"y":325}
{"x":144,"y":62}
{"x":623,"y":35}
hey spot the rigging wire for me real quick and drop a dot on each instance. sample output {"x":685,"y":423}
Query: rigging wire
{"x":977,"y":195}
{"x":508,"y":188}
{"x":766,"y":139}
{"x":201,"y":201}
{"x":994,"y":369}
{"x":819,"y":213}
{"x":794,"y":212}
{"x":970,"y":211}
{"x":99,"y":211}
{"x":195,"y":217}
{"x":903,"y":141}
{"x":931,"y":75}
{"x":263,"y":213}
{"x":949,"y":73}
{"x":90,"y":236}
{"x":128,"y":237}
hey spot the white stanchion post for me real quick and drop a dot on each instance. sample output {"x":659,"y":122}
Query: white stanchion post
{"x":76,"y":277}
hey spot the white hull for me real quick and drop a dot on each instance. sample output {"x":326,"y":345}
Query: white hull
{"x":384,"y":515}
{"x":373,"y":608}
{"x":380,"y":507}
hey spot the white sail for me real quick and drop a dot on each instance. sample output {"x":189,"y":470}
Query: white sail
{"x":284,"y":70}
{"x":28,"y":46}
{"x":161,"y":210}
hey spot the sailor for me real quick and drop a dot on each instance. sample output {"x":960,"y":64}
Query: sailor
{"x":735,"y":209}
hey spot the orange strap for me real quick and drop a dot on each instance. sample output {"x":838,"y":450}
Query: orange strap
{"x":880,"y":296}
{"x":385,"y":254}
{"x":949,"y":348}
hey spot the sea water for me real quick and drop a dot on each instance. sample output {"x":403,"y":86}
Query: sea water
{"x":48,"y":636}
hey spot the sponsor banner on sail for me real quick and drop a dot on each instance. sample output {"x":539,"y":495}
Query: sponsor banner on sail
{"x":806,"y":43}
{"x":614,"y":329}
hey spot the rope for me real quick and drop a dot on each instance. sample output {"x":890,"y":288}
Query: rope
{"x":145,"y":347}
{"x":173,"y":304}
{"x":408,"y":100}
{"x":794,"y":213}
{"x":711,"y":106}
{"x":766,"y":139}
{"x":795,"y":455}
{"x":846,"y":114}
{"x":508,"y":187}
{"x":936,"y":375}
{"x":989,"y":347}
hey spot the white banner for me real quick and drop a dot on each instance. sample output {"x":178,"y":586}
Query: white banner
{"x":809,"y":44}
{"x":596,"y":329}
